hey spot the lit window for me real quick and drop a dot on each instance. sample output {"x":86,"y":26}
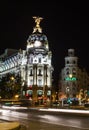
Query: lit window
{"x":31,"y":82}
{"x":39,"y":82}
{"x":49,"y":93}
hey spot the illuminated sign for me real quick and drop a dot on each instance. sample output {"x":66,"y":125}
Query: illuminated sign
{"x":70,"y":79}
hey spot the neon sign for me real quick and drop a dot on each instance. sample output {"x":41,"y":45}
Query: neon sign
{"x":70,"y":79}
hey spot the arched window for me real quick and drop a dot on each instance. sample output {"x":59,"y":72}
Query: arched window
{"x":39,"y":82}
{"x":67,"y":62}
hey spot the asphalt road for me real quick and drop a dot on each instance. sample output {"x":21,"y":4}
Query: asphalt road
{"x":39,"y":120}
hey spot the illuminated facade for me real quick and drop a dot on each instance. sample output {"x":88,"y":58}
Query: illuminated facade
{"x":73,"y":79}
{"x":33,"y":64}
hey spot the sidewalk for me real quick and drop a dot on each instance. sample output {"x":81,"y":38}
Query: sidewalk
{"x":9,"y":126}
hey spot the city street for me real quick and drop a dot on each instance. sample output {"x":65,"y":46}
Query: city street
{"x":39,"y":120}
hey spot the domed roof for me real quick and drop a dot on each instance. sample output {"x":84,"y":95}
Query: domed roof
{"x":37,"y":39}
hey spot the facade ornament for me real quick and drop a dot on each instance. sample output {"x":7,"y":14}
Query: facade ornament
{"x":37,"y":27}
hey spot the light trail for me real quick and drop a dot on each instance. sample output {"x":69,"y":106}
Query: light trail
{"x":14,"y":107}
{"x":66,"y":110}
{"x":50,"y":109}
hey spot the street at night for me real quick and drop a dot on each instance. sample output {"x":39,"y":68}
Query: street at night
{"x":40,"y":120}
{"x":44,"y":66}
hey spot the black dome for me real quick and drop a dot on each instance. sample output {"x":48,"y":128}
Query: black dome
{"x":34,"y":37}
{"x":37,"y":37}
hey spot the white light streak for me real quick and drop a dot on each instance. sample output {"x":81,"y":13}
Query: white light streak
{"x":66,"y":110}
{"x":14,"y":107}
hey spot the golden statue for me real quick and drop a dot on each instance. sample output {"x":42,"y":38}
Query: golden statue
{"x":37,"y":27}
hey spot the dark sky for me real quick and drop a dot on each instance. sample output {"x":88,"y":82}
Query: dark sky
{"x":66,"y":24}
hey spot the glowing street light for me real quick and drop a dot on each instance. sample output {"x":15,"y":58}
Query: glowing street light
{"x":12,"y":78}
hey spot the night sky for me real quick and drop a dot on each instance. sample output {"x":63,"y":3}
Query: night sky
{"x":66,"y":26}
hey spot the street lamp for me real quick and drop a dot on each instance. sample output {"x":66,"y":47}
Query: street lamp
{"x":12,"y":78}
{"x":12,"y":84}
{"x":16,"y":96}
{"x":70,"y":75}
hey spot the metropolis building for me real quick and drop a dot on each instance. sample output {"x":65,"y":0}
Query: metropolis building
{"x":34,"y":64}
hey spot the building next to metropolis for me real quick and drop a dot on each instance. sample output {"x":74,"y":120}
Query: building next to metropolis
{"x":34,"y":64}
{"x":74,"y":81}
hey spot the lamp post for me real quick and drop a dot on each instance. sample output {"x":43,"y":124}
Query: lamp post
{"x":12,"y":84}
{"x":80,"y":96}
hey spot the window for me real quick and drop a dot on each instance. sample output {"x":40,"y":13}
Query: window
{"x":74,"y":71}
{"x":67,"y":73}
{"x":39,"y":60}
{"x":39,"y":92}
{"x":30,"y":92}
{"x":48,"y":93}
{"x":74,"y":62}
{"x":31,"y":72}
{"x":67,"y":62}
{"x":31,"y":82}
{"x":39,"y":74}
{"x":31,"y":60}
{"x":39,"y":82}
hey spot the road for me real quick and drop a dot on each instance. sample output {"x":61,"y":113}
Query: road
{"x":39,"y":120}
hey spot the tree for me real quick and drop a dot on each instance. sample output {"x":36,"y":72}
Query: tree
{"x":3,"y":87}
{"x":10,"y":85}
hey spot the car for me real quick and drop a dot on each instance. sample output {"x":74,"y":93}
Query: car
{"x":86,"y":105}
{"x":55,"y":104}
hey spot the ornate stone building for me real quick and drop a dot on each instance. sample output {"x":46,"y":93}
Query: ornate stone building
{"x":73,"y":78}
{"x":33,"y":64}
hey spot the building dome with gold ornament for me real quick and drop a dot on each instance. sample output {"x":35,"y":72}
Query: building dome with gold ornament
{"x":37,"y":40}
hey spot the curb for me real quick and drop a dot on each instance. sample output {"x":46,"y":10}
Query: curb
{"x":10,"y":126}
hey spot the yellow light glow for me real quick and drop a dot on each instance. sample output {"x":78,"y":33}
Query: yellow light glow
{"x":12,"y":78}
{"x":70,"y":75}
{"x":16,"y":96}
